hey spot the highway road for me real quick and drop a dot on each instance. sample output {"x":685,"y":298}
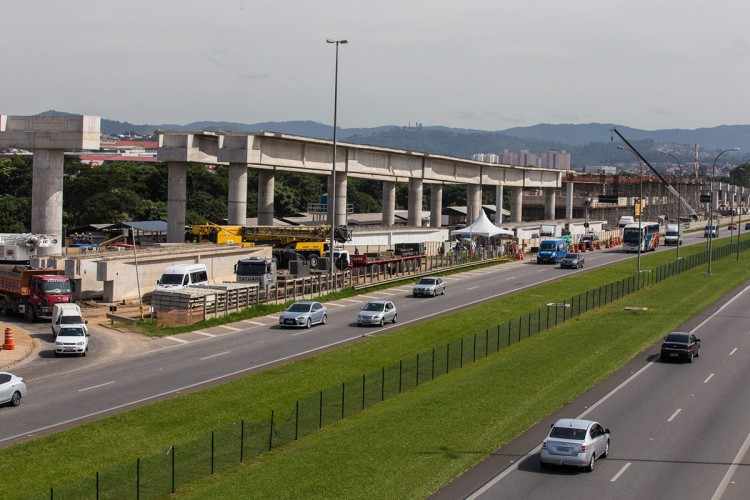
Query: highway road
{"x":69,"y":391}
{"x":679,"y":430}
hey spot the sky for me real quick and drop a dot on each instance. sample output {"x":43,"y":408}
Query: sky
{"x":483,"y":64}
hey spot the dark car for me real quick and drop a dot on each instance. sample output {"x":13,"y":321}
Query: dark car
{"x":572,"y":261}
{"x":747,"y":226}
{"x":680,"y":346}
{"x":587,"y":240}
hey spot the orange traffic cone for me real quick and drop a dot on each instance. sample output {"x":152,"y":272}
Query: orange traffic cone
{"x":10,"y":342}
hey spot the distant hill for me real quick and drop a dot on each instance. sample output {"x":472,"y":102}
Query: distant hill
{"x":589,"y":143}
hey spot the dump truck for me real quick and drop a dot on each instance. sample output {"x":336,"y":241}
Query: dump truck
{"x":32,"y":292}
{"x":259,"y":270}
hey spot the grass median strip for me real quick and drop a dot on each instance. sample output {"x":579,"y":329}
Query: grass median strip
{"x":152,"y":428}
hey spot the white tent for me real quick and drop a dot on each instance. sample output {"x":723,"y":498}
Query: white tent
{"x":483,"y":227}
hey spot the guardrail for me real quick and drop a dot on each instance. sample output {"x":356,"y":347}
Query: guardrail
{"x":155,"y":476}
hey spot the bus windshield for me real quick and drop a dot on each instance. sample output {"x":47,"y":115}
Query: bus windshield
{"x":631,"y":235}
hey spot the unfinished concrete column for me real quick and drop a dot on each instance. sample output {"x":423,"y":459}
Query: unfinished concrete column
{"x":499,"y":204}
{"x":569,"y":187}
{"x":389,"y":203}
{"x":516,"y":204}
{"x":176,"y":201}
{"x":550,"y":198}
{"x":415,"y":203}
{"x":341,"y":211}
{"x":436,"y":205}
{"x":49,"y":137}
{"x":47,"y":197}
{"x":473,"y":202}
{"x":266,"y":184}
{"x":237,"y":194}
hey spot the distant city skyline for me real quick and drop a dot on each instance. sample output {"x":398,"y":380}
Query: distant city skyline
{"x":482,"y":65}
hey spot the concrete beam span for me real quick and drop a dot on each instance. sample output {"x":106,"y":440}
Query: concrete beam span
{"x":415,"y":203}
{"x":237,"y":194}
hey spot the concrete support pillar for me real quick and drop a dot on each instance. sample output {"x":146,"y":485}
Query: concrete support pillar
{"x":47,"y":197}
{"x":341,"y":183}
{"x":473,"y":202}
{"x":237,"y":194}
{"x":550,"y":198}
{"x":266,"y":185}
{"x":389,"y":203}
{"x":569,"y":187}
{"x":499,"y":205}
{"x":330,"y":194}
{"x":516,"y":204}
{"x":415,"y":202}
{"x":436,"y":205}
{"x":176,"y":201}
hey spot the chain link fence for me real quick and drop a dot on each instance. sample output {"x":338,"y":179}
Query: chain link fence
{"x":160,"y":474}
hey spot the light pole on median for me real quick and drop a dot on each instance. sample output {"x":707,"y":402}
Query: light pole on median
{"x":640,"y":208}
{"x":332,"y":200}
{"x":711,"y":207}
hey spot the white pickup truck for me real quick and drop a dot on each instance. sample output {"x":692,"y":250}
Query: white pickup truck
{"x":70,"y":330}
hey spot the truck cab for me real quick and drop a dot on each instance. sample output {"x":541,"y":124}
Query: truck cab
{"x":259,"y":270}
{"x":551,"y":251}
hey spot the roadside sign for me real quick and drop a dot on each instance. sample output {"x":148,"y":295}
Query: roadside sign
{"x":608,"y":198}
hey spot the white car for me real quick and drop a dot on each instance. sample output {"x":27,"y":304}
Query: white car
{"x":12,"y":389}
{"x":72,"y":340}
{"x":377,"y":312}
{"x":575,"y":442}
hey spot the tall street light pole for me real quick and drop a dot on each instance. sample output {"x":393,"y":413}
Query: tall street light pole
{"x":711,"y":207}
{"x":332,"y":200}
{"x":640,"y":208}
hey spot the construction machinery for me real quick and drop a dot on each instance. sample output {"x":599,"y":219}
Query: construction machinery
{"x":220,"y":235}
{"x":19,"y":248}
{"x":32,"y":292}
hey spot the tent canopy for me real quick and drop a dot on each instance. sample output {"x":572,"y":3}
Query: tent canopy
{"x":483,"y":227}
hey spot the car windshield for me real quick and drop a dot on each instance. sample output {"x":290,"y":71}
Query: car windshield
{"x":680,"y":338}
{"x":71,"y":320}
{"x":568,"y":433}
{"x":571,"y":256}
{"x":171,"y":279}
{"x":374,"y":306}
{"x":426,"y":281}
{"x":298,"y":308}
{"x":72,"y":332}
{"x":56,"y":286}
{"x":547,"y":245}
{"x":251,"y":268}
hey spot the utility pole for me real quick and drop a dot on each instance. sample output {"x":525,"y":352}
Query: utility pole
{"x":711,"y":226}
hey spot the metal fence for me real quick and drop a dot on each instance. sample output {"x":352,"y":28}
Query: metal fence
{"x":160,"y":474}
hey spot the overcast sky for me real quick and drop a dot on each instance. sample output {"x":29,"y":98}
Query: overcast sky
{"x":486,"y":64}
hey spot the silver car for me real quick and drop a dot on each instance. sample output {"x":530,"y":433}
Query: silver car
{"x":575,"y":442}
{"x":304,"y":314}
{"x":377,"y":312}
{"x":12,"y":389}
{"x":429,"y":286}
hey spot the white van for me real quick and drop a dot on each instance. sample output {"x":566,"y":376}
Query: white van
{"x":67,"y":314}
{"x":182,"y":275}
{"x":625,"y":220}
{"x":672,"y":235}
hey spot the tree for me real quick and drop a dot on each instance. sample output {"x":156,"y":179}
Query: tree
{"x":740,"y":175}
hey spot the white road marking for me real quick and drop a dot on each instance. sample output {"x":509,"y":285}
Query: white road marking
{"x":492,"y":482}
{"x":708,"y":378}
{"x":674,"y":415}
{"x":368,"y":296}
{"x":232,"y":328}
{"x":205,"y":334}
{"x":334,"y":304}
{"x":181,"y":341}
{"x":275,"y":318}
{"x":620,"y":472}
{"x":352,"y":301}
{"x":731,"y":353}
{"x":211,"y":356}
{"x":389,"y":294}
{"x":473,"y":287}
{"x":96,"y":386}
{"x":256,"y":323}
{"x":726,"y":480}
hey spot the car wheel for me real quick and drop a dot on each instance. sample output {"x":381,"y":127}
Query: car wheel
{"x":324,"y":320}
{"x":690,"y":358}
{"x":308,"y":324}
{"x":592,"y":464}
{"x":443,"y":292}
{"x":394,"y":317}
{"x":606,"y":450}
{"x":16,"y":399}
{"x":382,"y":322}
{"x":83,"y":354}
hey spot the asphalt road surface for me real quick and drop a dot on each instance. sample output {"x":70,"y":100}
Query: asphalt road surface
{"x":679,"y":430}
{"x":74,"y":390}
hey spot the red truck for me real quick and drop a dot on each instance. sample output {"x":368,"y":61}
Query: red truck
{"x":32,"y":292}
